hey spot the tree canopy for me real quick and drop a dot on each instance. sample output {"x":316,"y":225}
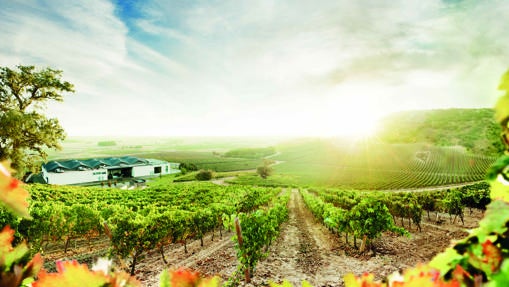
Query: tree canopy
{"x":25,"y":132}
{"x":474,"y":129}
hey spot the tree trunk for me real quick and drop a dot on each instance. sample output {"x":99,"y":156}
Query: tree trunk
{"x":133,"y":264}
{"x":363,"y":243}
{"x":67,"y":244}
{"x":161,"y":251}
{"x":247,"y":275}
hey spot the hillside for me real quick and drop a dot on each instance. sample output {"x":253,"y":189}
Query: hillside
{"x":375,"y":165}
{"x":474,"y":129}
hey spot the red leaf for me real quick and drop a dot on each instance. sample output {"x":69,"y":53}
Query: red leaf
{"x":12,"y":193}
{"x":493,"y":255}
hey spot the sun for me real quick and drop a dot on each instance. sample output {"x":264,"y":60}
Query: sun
{"x":358,"y":127}
{"x":357,"y":120}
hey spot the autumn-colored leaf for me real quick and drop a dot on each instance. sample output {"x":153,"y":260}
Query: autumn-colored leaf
{"x":421,"y":276}
{"x":12,"y":193}
{"x":13,"y":270}
{"x":6,"y":238}
{"x":34,"y":266}
{"x":366,"y":280}
{"x":186,"y":278}
{"x":492,"y":255}
{"x":70,"y":274}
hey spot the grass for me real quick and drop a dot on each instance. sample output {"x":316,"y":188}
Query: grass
{"x":307,"y":162}
{"x":205,"y":153}
{"x":373,"y":165}
{"x":275,"y":180}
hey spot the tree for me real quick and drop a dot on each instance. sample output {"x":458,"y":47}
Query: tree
{"x":204,"y":175}
{"x":264,"y":170}
{"x":25,"y":132}
{"x":185,"y":167}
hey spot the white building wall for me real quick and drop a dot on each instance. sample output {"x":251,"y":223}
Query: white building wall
{"x":173,"y":168}
{"x":170,"y":168}
{"x":143,"y":170}
{"x":87,"y":176}
{"x":149,"y":170}
{"x":75,"y":177}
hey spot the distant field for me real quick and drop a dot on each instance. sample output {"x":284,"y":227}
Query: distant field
{"x":329,"y":162}
{"x":379,"y":166}
{"x":206,"y":160}
{"x":205,"y":153}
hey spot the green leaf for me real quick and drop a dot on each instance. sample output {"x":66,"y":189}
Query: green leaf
{"x":500,"y":279}
{"x":504,"y":82}
{"x":494,"y":221}
{"x":502,"y":108}
{"x":164,"y":279}
{"x":443,"y":260}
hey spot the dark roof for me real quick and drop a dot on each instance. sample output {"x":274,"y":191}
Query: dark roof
{"x":94,"y":163}
{"x":35,"y":178}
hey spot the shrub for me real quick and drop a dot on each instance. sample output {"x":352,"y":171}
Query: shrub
{"x":204,"y":175}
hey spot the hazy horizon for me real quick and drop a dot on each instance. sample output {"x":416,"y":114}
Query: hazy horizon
{"x":271,"y":68}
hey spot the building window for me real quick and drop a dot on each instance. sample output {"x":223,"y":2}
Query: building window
{"x":157,"y":169}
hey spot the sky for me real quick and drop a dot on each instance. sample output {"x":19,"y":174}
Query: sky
{"x":262,"y":68}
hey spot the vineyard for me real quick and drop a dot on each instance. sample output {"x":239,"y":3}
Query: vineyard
{"x":377,"y":166}
{"x":138,"y":221}
{"x":171,"y":224}
{"x":332,"y":208}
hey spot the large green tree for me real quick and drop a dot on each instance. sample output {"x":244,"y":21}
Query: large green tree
{"x":25,"y":132}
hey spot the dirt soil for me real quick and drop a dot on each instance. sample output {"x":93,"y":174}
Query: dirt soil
{"x":306,"y":250}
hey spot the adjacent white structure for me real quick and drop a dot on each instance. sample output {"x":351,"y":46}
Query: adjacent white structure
{"x":103,"y":169}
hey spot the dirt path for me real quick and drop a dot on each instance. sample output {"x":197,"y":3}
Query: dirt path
{"x":214,"y":258}
{"x":306,"y":250}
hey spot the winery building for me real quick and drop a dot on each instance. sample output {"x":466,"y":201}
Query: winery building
{"x":98,"y":170}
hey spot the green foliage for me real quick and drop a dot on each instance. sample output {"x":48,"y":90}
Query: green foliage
{"x":474,"y":129}
{"x":186,"y":167}
{"x":24,"y":131}
{"x":481,"y":253}
{"x":265,"y":170}
{"x":454,"y":203}
{"x":371,"y":218}
{"x":106,"y":143}
{"x":251,"y":153}
{"x":257,"y":230}
{"x":204,"y":160}
{"x":204,"y":175}
{"x":367,"y":217}
{"x":378,"y":166}
{"x":274,"y":180}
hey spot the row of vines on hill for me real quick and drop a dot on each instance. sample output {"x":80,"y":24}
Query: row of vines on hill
{"x":413,"y":168}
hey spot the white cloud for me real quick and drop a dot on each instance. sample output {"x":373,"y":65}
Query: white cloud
{"x":271,"y":67}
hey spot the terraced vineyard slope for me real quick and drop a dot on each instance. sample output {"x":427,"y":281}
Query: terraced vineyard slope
{"x":375,"y":165}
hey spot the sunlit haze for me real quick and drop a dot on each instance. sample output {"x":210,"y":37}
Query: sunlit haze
{"x":282,"y":67}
